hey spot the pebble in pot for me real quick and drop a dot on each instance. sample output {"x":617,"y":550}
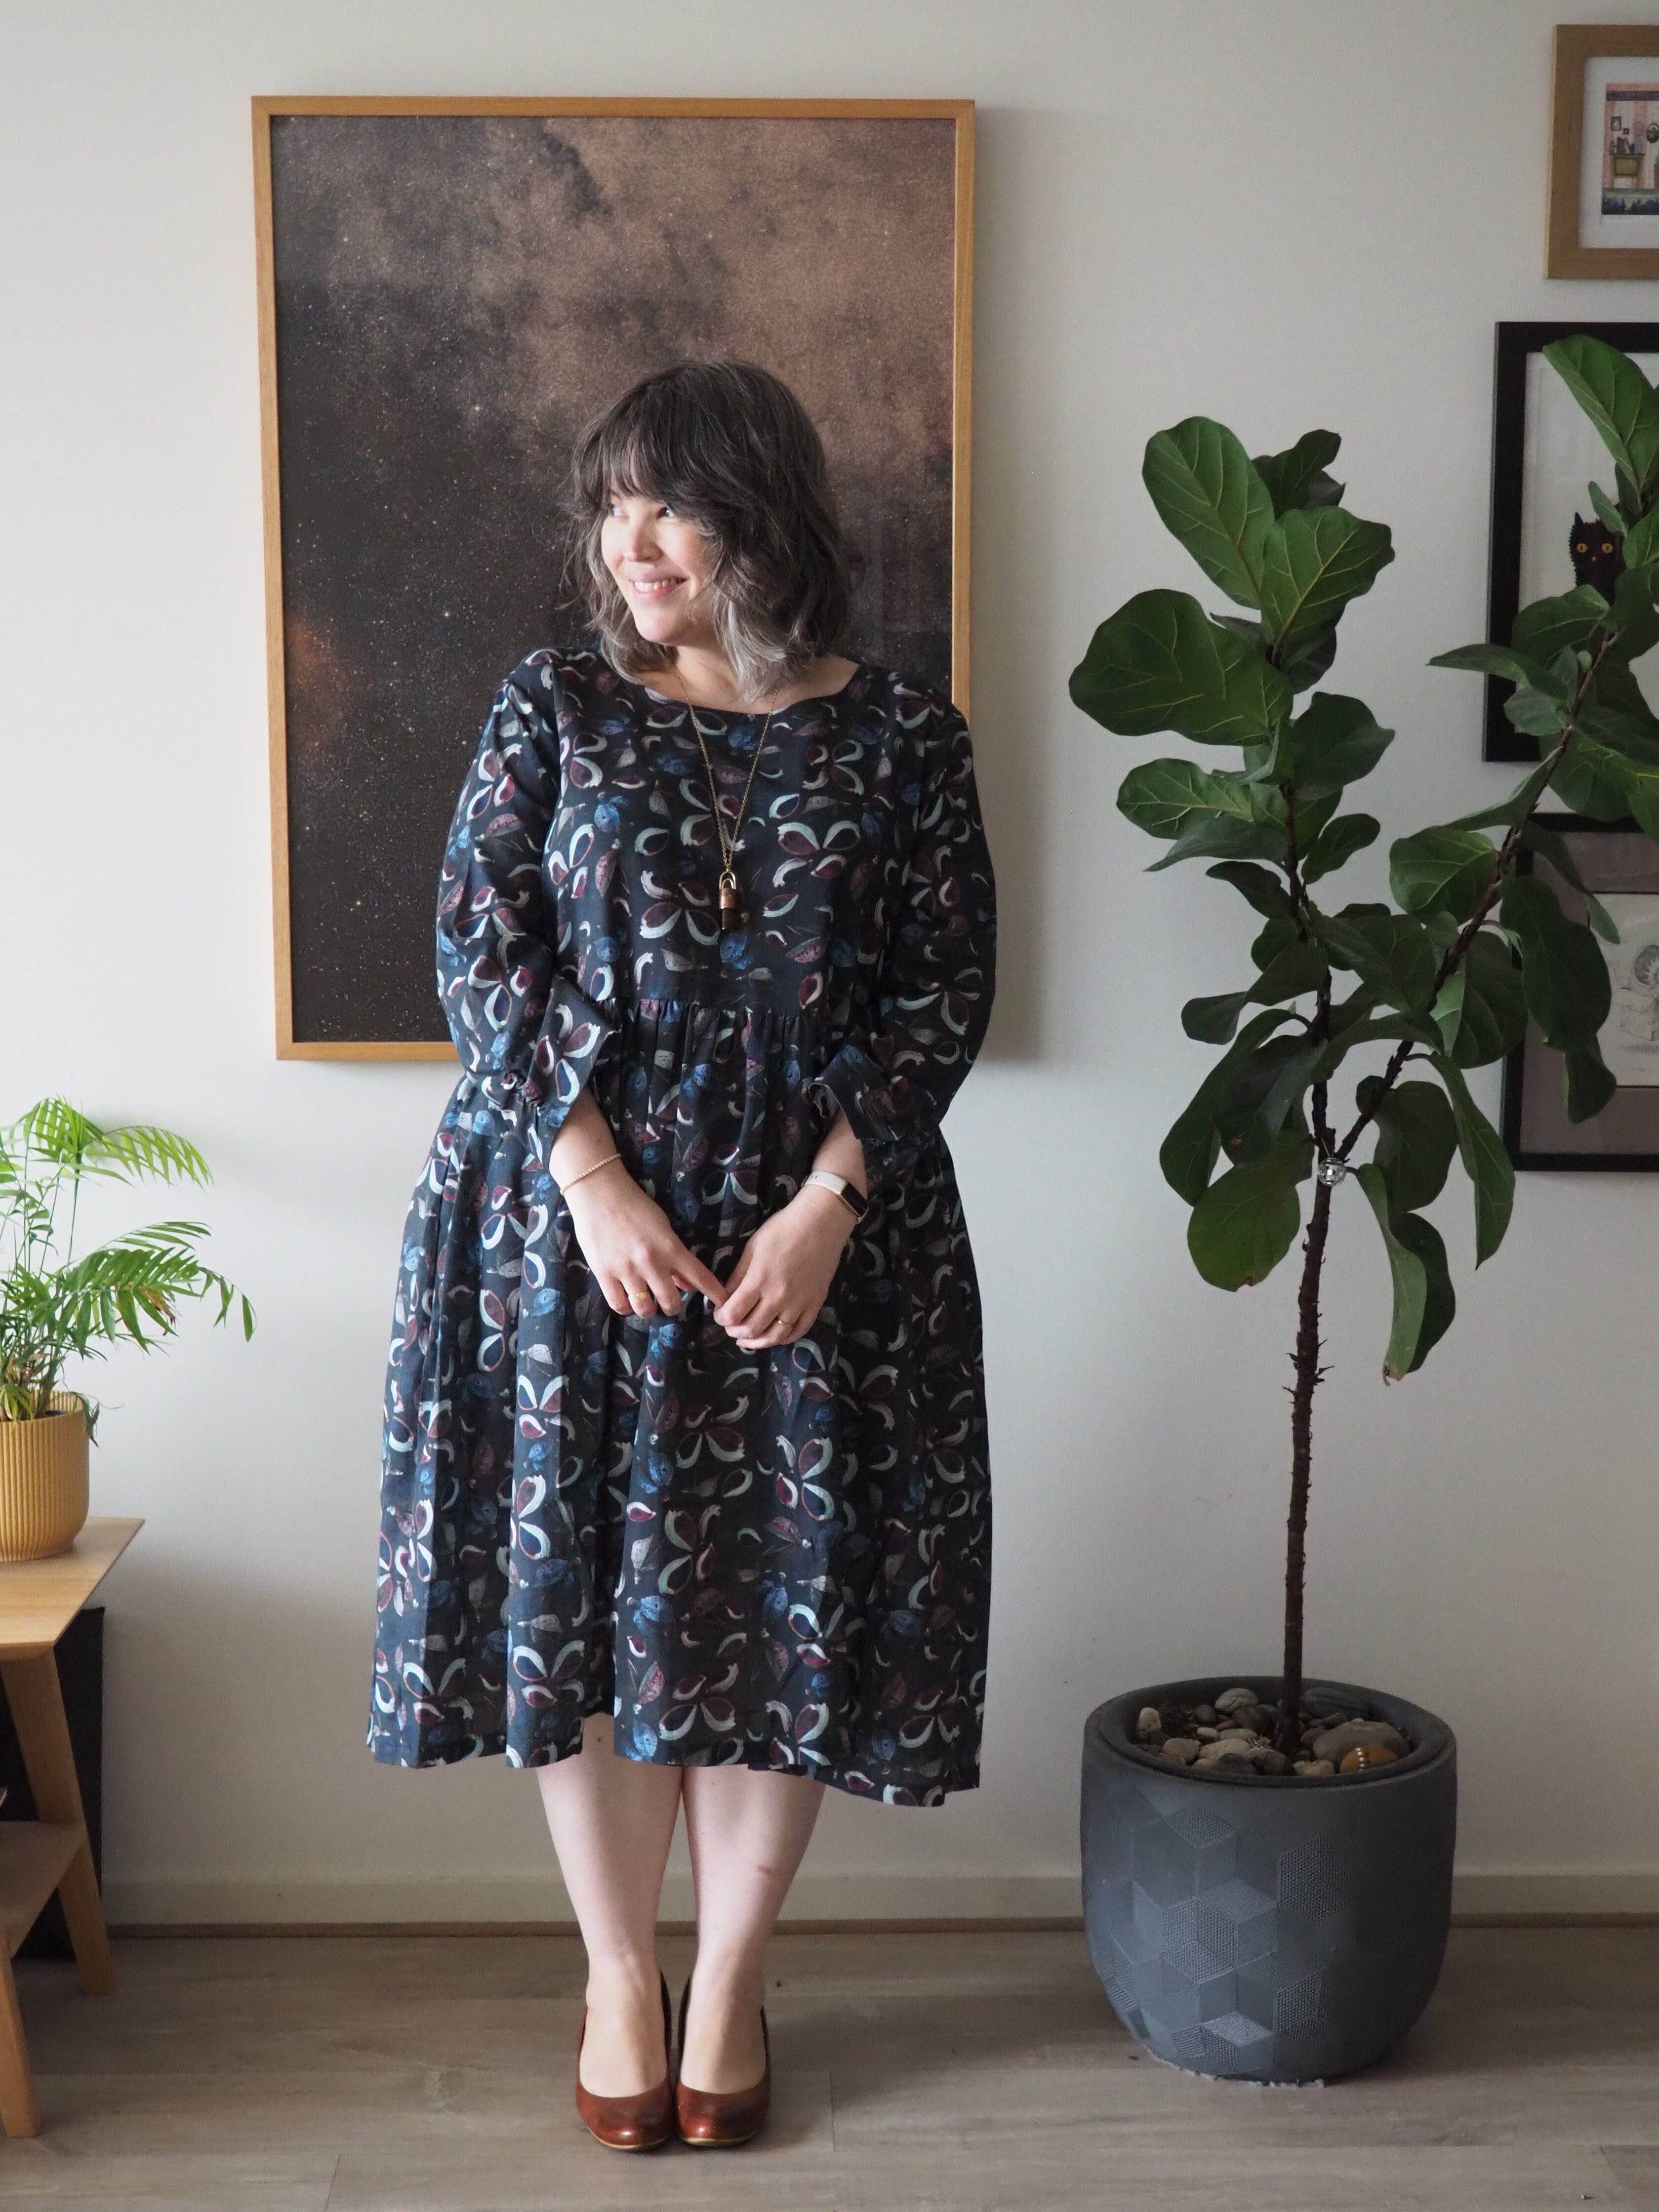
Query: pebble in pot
{"x":1336,"y":1743}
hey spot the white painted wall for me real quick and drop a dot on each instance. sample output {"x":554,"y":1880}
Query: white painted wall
{"x":1284,"y":215}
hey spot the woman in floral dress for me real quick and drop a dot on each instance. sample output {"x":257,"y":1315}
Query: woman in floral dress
{"x":685,"y":1463}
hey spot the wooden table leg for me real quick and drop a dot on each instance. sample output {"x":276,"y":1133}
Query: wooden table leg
{"x":37,"y":1712}
{"x":20,"y":2115}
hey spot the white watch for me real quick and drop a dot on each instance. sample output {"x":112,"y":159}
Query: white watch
{"x":849,"y":1193}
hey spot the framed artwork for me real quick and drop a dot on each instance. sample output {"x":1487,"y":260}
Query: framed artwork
{"x":1620,"y":865}
{"x":1545,"y":454}
{"x":448,"y":290}
{"x":1604,"y":151}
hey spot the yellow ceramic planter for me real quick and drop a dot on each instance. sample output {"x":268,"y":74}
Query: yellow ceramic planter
{"x":43,"y":1481}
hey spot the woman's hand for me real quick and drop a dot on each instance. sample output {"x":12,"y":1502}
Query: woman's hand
{"x":784,"y":1275}
{"x":629,"y":1242}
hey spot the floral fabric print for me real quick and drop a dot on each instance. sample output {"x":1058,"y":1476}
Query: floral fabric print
{"x":777,"y":1559}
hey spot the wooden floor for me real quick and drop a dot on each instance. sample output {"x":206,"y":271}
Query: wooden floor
{"x":433,"y":2074}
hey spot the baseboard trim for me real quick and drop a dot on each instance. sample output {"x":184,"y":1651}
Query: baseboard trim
{"x":945,"y":1903}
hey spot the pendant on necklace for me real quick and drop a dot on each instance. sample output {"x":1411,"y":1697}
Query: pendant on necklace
{"x":731,"y":913}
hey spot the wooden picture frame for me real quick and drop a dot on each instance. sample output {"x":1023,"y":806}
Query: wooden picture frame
{"x":1528,"y":504}
{"x":342,"y":992}
{"x":1619,"y":864}
{"x":1578,"y":47}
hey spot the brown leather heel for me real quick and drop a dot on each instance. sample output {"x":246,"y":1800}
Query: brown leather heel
{"x":720,"y":2119}
{"x":641,"y":2123}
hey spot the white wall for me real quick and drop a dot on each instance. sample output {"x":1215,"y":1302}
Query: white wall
{"x":1284,"y":215}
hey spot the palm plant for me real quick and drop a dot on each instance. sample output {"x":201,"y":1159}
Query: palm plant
{"x":1442,"y":980}
{"x":55,"y":1306}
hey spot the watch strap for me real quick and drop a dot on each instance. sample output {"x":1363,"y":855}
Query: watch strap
{"x":849,"y":1193}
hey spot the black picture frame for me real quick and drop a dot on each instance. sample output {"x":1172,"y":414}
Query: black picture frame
{"x":1514,"y":343}
{"x":1624,"y":1138}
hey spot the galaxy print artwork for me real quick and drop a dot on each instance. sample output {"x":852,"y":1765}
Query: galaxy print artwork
{"x":448,"y":297}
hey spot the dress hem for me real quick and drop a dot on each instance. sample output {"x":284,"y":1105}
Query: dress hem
{"x":916,"y":1790}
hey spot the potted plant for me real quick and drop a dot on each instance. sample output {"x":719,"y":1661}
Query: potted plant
{"x":1267,"y":1860}
{"x":55,"y":1306}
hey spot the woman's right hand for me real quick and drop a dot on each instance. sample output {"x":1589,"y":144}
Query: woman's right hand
{"x":629,"y":1242}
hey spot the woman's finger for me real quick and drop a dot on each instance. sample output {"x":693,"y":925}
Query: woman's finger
{"x":688,"y":1271}
{"x":744,"y":1301}
{"x":664,"y":1291}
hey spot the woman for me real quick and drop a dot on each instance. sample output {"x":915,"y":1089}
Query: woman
{"x":685,"y":1454}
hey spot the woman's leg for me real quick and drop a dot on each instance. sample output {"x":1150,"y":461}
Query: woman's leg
{"x":612,"y":1820}
{"x":748,"y":1831}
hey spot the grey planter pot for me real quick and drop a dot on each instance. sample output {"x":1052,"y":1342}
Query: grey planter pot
{"x":1266,"y":1928}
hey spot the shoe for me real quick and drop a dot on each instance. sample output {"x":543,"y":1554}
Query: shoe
{"x":644,"y":2122}
{"x":718,"y":2119}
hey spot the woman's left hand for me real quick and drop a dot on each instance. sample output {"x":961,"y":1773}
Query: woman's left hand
{"x":787,"y":1267}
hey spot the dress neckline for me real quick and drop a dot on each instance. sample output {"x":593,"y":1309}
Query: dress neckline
{"x":860,"y":671}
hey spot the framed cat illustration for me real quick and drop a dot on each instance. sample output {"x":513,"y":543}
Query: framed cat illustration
{"x":1546,"y":533}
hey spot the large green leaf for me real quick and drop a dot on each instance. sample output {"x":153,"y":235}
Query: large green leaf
{"x":1571,"y":621}
{"x":1297,"y":476}
{"x":1411,"y":1280}
{"x":1246,"y":1221}
{"x":1263,"y":1092}
{"x":1440,"y":1306}
{"x":1337,"y":843}
{"x":1590,"y":1083}
{"x":1263,"y":889}
{"x":1618,"y":689}
{"x":1640,"y":779}
{"x":1188,"y":1155}
{"x":1590,"y":779}
{"x":1161,"y":796}
{"x":1416,"y":1136}
{"x":1212,"y":499}
{"x":1442,"y":871}
{"x":1159,"y":663}
{"x":1315,"y":560}
{"x":1299,"y":969}
{"x":1618,"y":399}
{"x":1481,"y":1011}
{"x":1222,"y":837}
{"x":1534,"y":711}
{"x":1635,"y":618}
{"x":1494,"y":660}
{"x":1333,"y":742}
{"x":1390,"y":952}
{"x":1569,"y":992}
{"x":1485,"y":1162}
{"x":1540,"y":838}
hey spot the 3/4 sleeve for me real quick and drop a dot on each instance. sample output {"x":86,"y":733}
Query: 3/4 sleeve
{"x":934,"y":986}
{"x":523,"y":1030}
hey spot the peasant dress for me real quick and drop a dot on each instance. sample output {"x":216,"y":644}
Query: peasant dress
{"x":776,"y":1559}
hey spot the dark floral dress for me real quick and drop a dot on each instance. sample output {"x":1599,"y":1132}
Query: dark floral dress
{"x":779,"y":1559}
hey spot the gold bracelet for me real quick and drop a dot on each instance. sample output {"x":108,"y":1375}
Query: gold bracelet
{"x":571,"y":1181}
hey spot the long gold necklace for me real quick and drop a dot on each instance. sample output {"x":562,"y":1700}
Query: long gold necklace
{"x":733,"y":915}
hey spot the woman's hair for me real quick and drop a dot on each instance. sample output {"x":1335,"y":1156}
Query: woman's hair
{"x":730,"y":447}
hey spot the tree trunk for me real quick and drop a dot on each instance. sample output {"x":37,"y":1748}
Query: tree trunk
{"x":1308,"y":1372}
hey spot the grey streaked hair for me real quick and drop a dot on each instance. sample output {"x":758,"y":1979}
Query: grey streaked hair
{"x":732,"y":448}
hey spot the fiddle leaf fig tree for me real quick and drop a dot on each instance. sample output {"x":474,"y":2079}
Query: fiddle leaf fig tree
{"x":1345,"y":1055}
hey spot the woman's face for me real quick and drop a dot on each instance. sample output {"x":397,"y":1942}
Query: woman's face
{"x":661,"y":563}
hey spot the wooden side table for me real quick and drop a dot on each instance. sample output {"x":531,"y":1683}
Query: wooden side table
{"x":39,"y":1598}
